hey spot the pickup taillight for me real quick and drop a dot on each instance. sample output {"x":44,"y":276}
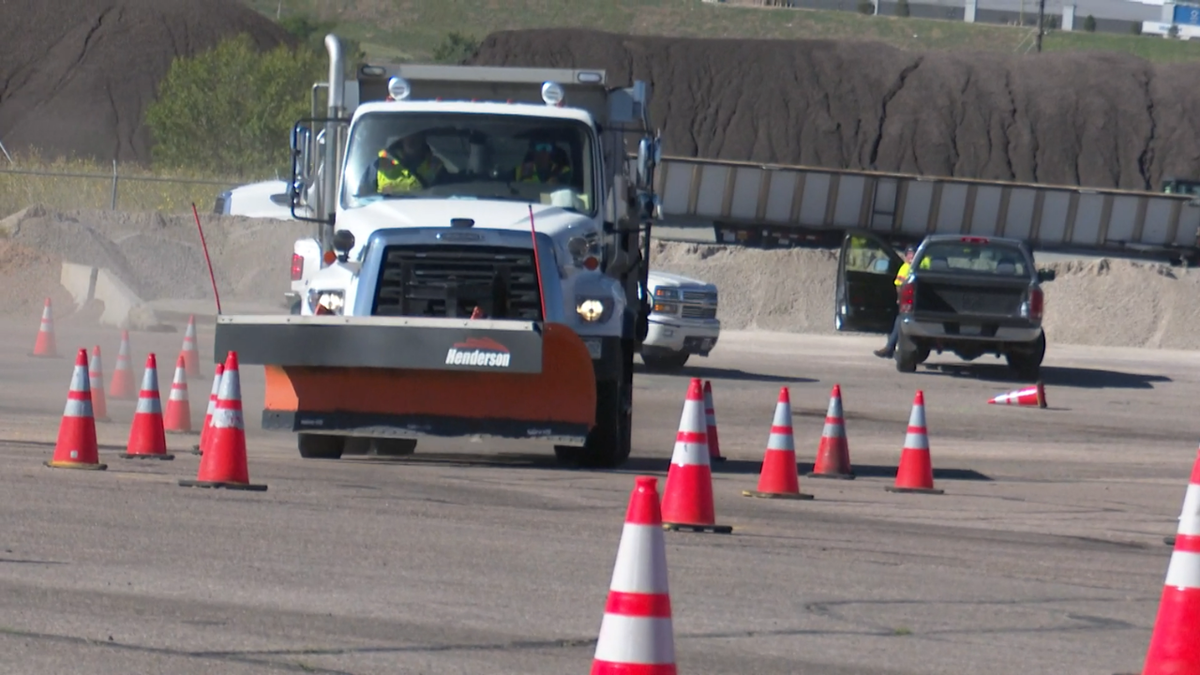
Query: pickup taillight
{"x":297,"y":266}
{"x":1037,"y":301}
{"x":908,"y":292}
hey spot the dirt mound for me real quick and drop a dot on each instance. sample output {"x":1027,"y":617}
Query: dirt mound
{"x":160,"y":256}
{"x":1113,"y":303}
{"x":1093,"y":119}
{"x":76,"y":75}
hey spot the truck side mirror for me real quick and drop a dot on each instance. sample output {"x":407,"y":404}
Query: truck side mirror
{"x":648,"y":155}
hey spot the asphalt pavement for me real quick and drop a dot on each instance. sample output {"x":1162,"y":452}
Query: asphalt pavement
{"x":1044,"y":555}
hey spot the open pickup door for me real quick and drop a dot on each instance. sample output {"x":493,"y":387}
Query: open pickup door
{"x":865,"y":300}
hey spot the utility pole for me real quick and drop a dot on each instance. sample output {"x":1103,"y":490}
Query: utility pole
{"x":1041,"y":24}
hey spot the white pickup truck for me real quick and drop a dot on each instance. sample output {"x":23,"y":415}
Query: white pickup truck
{"x":683,"y":321}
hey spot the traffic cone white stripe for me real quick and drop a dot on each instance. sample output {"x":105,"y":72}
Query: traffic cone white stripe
{"x":635,"y":640}
{"x":212,"y":396}
{"x":1184,"y":570}
{"x":833,"y":419}
{"x":228,"y":411}
{"x":917,"y":437}
{"x":693,"y":421}
{"x":79,"y":397}
{"x":148,"y":402}
{"x":640,"y":543}
{"x":692,"y":452}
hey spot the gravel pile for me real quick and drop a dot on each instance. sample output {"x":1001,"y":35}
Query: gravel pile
{"x":1104,"y":302}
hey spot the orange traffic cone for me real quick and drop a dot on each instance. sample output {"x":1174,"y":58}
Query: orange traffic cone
{"x":46,"y":346}
{"x":205,"y":431}
{"x":191,"y":355}
{"x":779,"y":477}
{"x":76,"y":447}
{"x":636,"y":633}
{"x":1175,"y":644}
{"x":223,"y":463}
{"x":687,"y":502}
{"x":833,"y":454}
{"x":178,"y":418}
{"x":915,"y":473}
{"x":714,"y":446}
{"x":147,"y":439}
{"x":1026,"y":396}
{"x":121,"y":386}
{"x":96,"y":382}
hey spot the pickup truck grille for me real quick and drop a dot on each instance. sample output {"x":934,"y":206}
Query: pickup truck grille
{"x":977,"y":300}
{"x":450,"y":281}
{"x":697,"y":312}
{"x":699,"y":297}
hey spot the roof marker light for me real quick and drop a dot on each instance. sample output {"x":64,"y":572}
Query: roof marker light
{"x":399,"y":89}
{"x":552,"y":93}
{"x":588,"y":77}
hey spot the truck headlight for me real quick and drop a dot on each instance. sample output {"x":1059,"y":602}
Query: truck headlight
{"x":326,"y":302}
{"x":666,"y":307}
{"x":592,"y":310}
{"x":667,"y":294}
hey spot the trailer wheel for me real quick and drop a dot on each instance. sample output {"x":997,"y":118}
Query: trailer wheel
{"x":320,"y":446}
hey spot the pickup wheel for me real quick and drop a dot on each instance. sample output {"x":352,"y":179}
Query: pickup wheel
{"x":320,"y":446}
{"x":1027,"y":361}
{"x":907,"y":355}
{"x":665,"y":361}
{"x":610,"y":441}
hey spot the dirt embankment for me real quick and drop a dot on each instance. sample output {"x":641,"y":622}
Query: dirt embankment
{"x":1093,"y":119}
{"x":76,"y":76}
{"x":1106,"y":302}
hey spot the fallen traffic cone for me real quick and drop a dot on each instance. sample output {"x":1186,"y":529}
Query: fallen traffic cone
{"x":687,"y":502}
{"x":223,"y":463}
{"x":191,"y":355}
{"x":1175,"y":644}
{"x":147,"y":439}
{"x":1026,"y":396}
{"x":915,"y":473}
{"x":46,"y":347}
{"x":710,"y":416}
{"x":205,"y":431}
{"x":833,"y":454}
{"x":779,"y":477}
{"x":178,"y":418}
{"x":636,"y":633}
{"x":76,"y":447}
{"x":121,"y":386}
{"x":96,"y":384}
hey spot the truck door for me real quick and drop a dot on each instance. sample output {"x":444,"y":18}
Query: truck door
{"x":865,"y":299}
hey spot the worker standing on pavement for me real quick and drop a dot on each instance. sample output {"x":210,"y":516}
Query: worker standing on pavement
{"x":901,"y":275}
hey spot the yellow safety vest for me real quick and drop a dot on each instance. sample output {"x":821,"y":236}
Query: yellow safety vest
{"x":902,"y":274}
{"x":392,"y":176}
{"x":556,"y":172}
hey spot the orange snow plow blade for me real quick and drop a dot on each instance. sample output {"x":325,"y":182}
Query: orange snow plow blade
{"x":420,"y":377}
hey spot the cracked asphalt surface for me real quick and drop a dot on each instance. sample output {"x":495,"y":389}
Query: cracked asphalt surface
{"x":1045,"y":555}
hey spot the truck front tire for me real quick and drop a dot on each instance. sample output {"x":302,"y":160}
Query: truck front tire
{"x":609,"y":443}
{"x":320,"y":446}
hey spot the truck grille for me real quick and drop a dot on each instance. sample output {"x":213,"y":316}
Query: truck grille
{"x":697,"y":312}
{"x":700,"y":297}
{"x":980,"y":301}
{"x":450,"y":281}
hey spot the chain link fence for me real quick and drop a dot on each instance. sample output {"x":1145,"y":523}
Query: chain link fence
{"x":87,"y":188}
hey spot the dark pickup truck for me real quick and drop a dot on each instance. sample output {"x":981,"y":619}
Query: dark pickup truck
{"x":966,"y":295}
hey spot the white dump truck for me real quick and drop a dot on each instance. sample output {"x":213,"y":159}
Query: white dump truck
{"x":483,"y":236}
{"x":683,"y":317}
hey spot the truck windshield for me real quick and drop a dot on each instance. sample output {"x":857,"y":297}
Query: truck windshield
{"x":418,"y":155}
{"x":992,"y":258}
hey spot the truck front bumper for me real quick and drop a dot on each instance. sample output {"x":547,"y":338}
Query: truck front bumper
{"x":682,"y":336}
